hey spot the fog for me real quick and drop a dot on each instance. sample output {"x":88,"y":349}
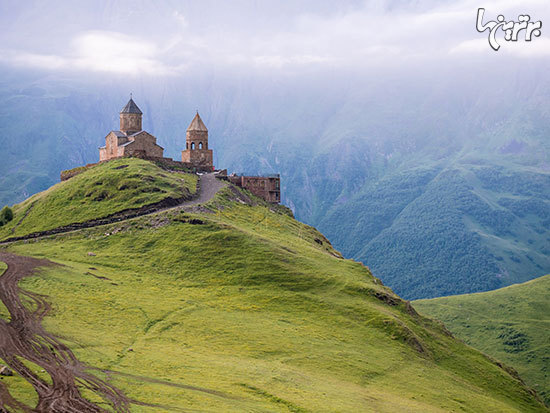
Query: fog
{"x":184,"y":39}
{"x":274,"y":81}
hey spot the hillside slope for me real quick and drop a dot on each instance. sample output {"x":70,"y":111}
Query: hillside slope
{"x":236,"y":306}
{"x":511,"y":324}
{"x":100,"y":191}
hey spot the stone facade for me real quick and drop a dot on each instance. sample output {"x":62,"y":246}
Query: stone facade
{"x":130,"y":140}
{"x":266,"y":187}
{"x":130,"y":123}
{"x":196,"y":145}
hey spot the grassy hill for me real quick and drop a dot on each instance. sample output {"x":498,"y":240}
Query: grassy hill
{"x":102,"y":190}
{"x":511,"y":324}
{"x":242,"y":308}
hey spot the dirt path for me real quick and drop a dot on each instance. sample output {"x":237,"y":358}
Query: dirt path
{"x":209,"y":186}
{"x":29,"y":209}
{"x":24,"y":339}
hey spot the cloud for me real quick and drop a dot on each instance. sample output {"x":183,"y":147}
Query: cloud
{"x":471,"y":46}
{"x":537,"y":48}
{"x":119,"y":53}
{"x":102,"y":51}
{"x":180,"y":18}
{"x":158,"y":40}
{"x":278,"y":61}
{"x":49,"y":62}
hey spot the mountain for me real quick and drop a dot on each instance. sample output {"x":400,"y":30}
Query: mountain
{"x":466,"y":225}
{"x":229,"y":305}
{"x":510,"y":324}
{"x":441,"y":187}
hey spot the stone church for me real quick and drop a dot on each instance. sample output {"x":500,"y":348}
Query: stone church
{"x":130,"y":140}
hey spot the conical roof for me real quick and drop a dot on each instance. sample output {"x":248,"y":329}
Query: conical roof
{"x":131,"y":107}
{"x":197,"y":124}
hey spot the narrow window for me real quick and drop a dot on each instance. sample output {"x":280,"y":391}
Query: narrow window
{"x":192,"y":146}
{"x":187,"y":146}
{"x":200,"y":145}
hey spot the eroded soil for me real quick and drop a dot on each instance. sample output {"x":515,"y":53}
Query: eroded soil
{"x":24,"y":338}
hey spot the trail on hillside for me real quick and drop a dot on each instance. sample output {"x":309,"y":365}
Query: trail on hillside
{"x":209,"y":186}
{"x":23,"y":339}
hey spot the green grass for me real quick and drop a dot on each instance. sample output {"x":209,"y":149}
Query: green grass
{"x":100,"y":191}
{"x":258,"y":313}
{"x":511,"y":324}
{"x":19,"y":388}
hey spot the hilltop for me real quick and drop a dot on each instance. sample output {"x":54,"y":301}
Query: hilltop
{"x":510,"y":324}
{"x":104,"y":190}
{"x":227,"y":305}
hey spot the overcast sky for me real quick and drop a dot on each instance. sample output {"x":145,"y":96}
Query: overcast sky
{"x":172,"y":38}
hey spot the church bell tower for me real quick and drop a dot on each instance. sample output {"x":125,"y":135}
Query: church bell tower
{"x":130,"y":118}
{"x":196,"y":145}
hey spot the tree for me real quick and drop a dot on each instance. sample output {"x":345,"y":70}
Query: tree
{"x":6,"y":215}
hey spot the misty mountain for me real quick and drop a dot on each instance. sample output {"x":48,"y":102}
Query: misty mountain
{"x":440,"y":186}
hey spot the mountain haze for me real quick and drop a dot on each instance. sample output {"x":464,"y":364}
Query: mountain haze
{"x":442,"y":199}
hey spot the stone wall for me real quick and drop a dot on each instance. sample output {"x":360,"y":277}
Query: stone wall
{"x":202,"y":158}
{"x":102,"y":154}
{"x":130,"y":122}
{"x":75,"y":171}
{"x":143,"y":143}
{"x":196,"y":146}
{"x":117,"y":146}
{"x":196,"y":139}
{"x":112,"y":147}
{"x":266,"y":187}
{"x":166,"y":163}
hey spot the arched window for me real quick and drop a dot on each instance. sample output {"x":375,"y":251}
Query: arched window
{"x":192,"y":146}
{"x":200,"y":145}
{"x":187,"y":146}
